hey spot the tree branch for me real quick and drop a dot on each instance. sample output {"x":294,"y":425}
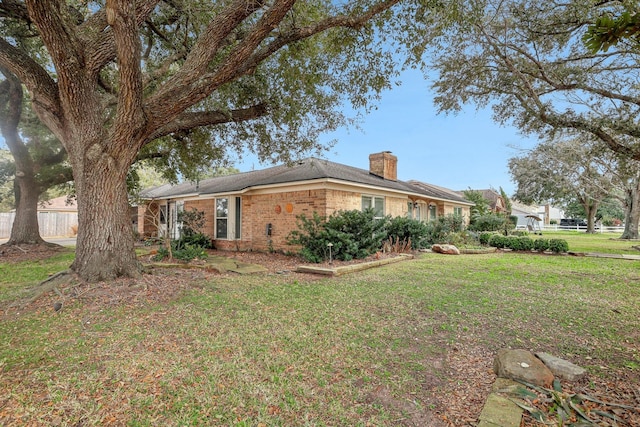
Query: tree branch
{"x":35,"y":78}
{"x":188,"y":120}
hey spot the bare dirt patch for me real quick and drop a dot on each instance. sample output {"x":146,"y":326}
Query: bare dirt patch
{"x":28,"y":252}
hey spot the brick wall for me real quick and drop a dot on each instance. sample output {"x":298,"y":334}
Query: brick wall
{"x":208,"y":206}
{"x":279,"y":210}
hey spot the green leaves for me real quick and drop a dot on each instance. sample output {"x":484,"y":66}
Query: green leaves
{"x":608,"y":31}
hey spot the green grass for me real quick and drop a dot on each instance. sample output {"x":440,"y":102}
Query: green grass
{"x":15,"y":277}
{"x":598,"y":242}
{"x":271,"y":350}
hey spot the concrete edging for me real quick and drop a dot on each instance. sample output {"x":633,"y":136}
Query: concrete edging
{"x":339,"y":271}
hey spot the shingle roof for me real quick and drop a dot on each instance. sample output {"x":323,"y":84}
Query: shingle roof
{"x":439,"y":192}
{"x":303,"y":170}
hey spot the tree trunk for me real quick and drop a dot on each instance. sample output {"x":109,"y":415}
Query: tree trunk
{"x":25,"y":228}
{"x":104,"y":248}
{"x":590,"y":208}
{"x":632,"y":213}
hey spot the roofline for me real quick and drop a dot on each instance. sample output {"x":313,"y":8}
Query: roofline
{"x":309,"y":182}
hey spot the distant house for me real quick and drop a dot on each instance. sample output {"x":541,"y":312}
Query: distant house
{"x":257,"y":210}
{"x":497,"y":203}
{"x":546,"y":213}
{"x":59,"y":204}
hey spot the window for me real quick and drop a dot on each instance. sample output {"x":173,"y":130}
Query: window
{"x":457,"y":211}
{"x":163,"y":214}
{"x":410,"y":210}
{"x":228,"y":218}
{"x":374,"y":202}
{"x":222,"y":218}
{"x":432,"y":212}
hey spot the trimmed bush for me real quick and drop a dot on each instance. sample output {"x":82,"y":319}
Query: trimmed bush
{"x":526,"y":243}
{"x":541,"y":245}
{"x":558,"y":245}
{"x":498,"y":241}
{"x":484,"y":238}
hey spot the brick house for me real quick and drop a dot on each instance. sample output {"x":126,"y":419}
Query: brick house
{"x":257,"y":210}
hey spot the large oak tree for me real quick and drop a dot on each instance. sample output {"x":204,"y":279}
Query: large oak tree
{"x":264,"y":75}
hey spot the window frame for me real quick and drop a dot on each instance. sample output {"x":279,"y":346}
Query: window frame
{"x":372,"y":204}
{"x":218,"y":219}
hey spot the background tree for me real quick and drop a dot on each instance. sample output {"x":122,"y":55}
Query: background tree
{"x":527,"y":60}
{"x":38,"y":163}
{"x":228,"y":75}
{"x":481,"y":205}
{"x":561,"y":172}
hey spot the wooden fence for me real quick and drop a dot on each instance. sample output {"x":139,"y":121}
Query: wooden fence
{"x":51,"y":224}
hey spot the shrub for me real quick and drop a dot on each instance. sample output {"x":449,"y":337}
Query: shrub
{"x":497,"y":241}
{"x":311,"y":235}
{"x":488,"y":222}
{"x":402,"y":229}
{"x":526,"y":243}
{"x":355,"y":234}
{"x":541,"y":245}
{"x":484,"y":238}
{"x":196,"y":239}
{"x":558,"y":245}
{"x":352,"y":234}
{"x":181,"y":252}
{"x":512,"y":242}
{"x":439,"y":229}
{"x":461,"y":238}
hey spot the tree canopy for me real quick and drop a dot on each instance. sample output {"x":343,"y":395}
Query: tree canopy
{"x":527,"y":60}
{"x":197,"y":79}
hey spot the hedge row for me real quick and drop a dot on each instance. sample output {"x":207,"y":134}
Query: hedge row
{"x":523,"y":243}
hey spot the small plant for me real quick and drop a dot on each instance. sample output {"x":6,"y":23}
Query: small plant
{"x":541,"y":245}
{"x":558,"y":245}
{"x":397,"y":246}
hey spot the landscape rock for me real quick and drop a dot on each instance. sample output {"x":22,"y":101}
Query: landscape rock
{"x":522,"y":365}
{"x":562,"y":368}
{"x":445,"y":249}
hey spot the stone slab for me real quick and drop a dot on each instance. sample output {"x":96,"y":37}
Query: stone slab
{"x":499,"y":411}
{"x":562,"y":368}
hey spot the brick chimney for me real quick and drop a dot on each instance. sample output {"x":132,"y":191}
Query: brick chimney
{"x":384,"y":165}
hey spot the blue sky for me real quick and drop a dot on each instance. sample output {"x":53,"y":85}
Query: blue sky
{"x":467,"y":150}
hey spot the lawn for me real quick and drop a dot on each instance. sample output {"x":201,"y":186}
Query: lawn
{"x":384,"y":347}
{"x":598,"y":242}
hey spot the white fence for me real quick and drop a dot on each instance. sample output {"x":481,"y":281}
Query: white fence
{"x":582,"y":228}
{"x":51,"y":224}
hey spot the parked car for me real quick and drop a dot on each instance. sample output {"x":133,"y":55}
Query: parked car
{"x":572,"y":222}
